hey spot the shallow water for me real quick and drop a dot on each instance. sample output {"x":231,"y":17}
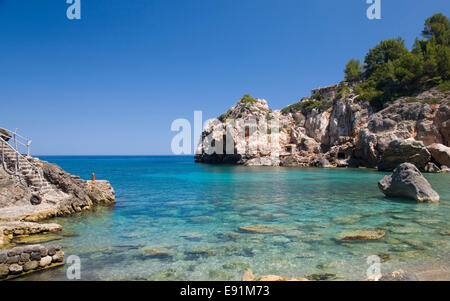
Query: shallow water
{"x":193,"y":211}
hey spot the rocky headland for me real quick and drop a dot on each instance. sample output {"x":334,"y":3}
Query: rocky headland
{"x":335,"y":128}
{"x":37,"y":191}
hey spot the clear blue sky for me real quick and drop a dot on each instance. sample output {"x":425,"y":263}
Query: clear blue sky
{"x":113,"y":82}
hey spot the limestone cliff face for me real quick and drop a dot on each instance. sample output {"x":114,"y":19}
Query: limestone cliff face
{"x":339,"y":131}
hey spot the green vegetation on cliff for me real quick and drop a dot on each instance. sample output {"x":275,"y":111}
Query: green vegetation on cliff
{"x":305,"y":106}
{"x":390,"y":70}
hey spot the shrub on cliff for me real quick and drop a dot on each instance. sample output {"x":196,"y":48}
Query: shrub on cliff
{"x":307,"y":105}
{"x":247,"y":99}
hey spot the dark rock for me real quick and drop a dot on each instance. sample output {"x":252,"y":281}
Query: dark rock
{"x":322,"y":277}
{"x":36,"y":256}
{"x":407,"y":181}
{"x":400,"y":151}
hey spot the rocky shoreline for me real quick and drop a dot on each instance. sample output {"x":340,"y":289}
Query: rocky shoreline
{"x":59,"y":194}
{"x":334,"y":128}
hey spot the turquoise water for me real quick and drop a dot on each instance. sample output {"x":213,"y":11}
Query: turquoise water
{"x":192,"y":212}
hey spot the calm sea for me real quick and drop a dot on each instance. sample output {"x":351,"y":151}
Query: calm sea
{"x":177,"y":220}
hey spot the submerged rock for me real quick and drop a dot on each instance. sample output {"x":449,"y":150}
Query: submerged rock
{"x":407,"y":181}
{"x":260,"y":229}
{"x":193,"y":236}
{"x":236,"y":266}
{"x":198,"y":253}
{"x":229,"y":235}
{"x":149,"y":252}
{"x":322,"y":277}
{"x":445,"y":233}
{"x":361,"y":235}
{"x":36,"y":239}
{"x":343,"y":220}
{"x":405,"y":230}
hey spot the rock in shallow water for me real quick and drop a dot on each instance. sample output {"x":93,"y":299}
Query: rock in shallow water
{"x":407,"y":181}
{"x":361,"y":235}
{"x":149,"y":252}
{"x":260,"y":229}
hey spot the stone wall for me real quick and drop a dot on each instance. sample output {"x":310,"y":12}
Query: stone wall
{"x":23,"y":260}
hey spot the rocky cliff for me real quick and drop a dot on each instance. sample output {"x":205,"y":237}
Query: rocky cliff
{"x":332,"y":128}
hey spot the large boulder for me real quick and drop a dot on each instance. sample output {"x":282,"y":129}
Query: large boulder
{"x":407,"y":181}
{"x":400,"y":151}
{"x":440,"y":153}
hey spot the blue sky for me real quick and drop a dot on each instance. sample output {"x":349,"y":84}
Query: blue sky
{"x":113,"y":82}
